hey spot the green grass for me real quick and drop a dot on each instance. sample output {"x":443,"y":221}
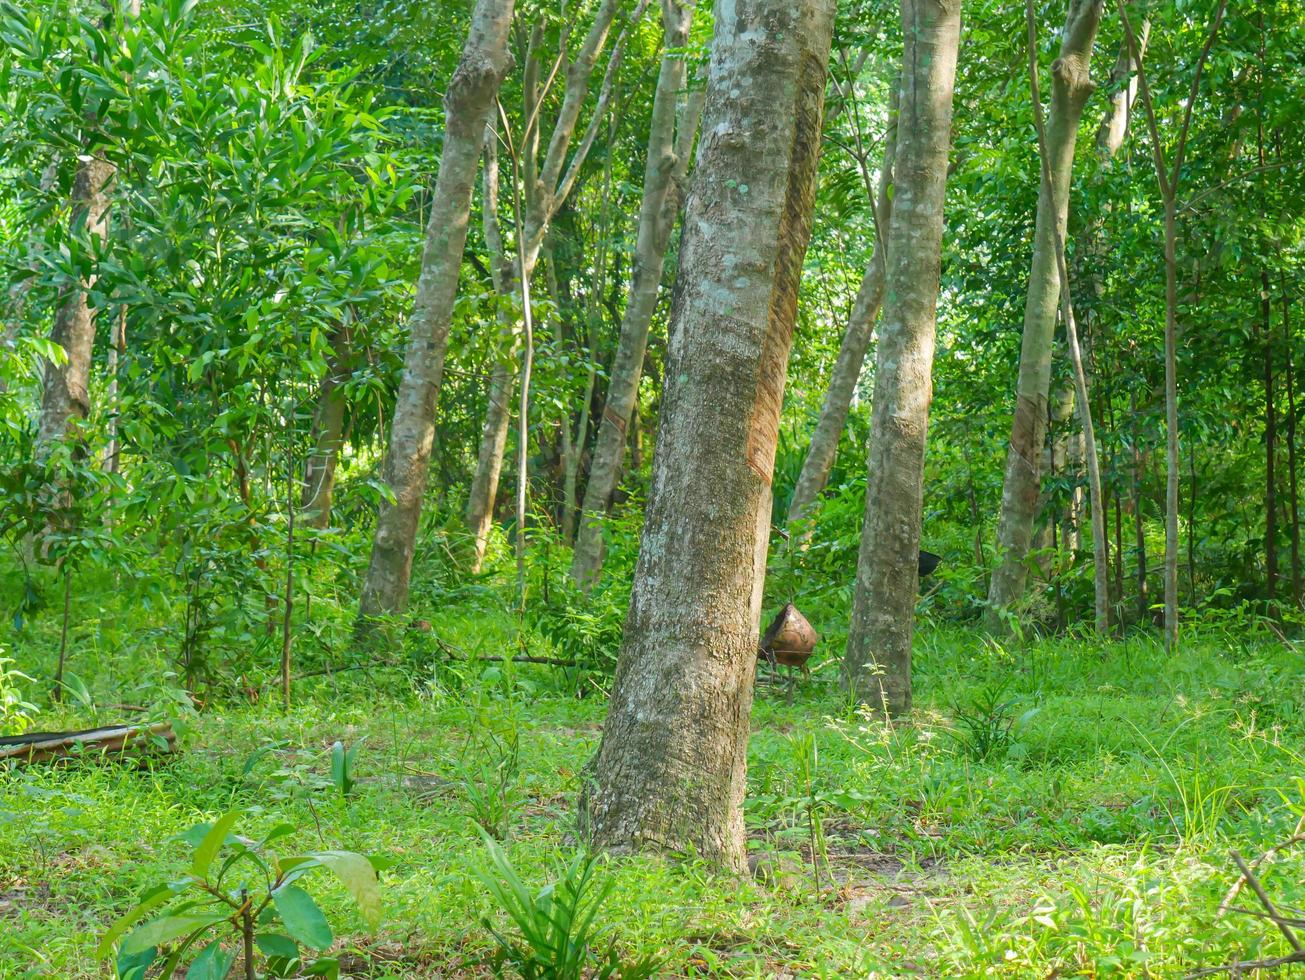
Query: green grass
{"x":1094,"y":843}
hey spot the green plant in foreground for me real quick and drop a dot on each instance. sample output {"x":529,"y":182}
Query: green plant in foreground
{"x":237,"y":892}
{"x":556,"y":923}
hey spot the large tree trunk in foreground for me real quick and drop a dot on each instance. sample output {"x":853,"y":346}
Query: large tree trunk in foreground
{"x":1019,"y":499}
{"x":877,"y":664}
{"x":666,"y":163}
{"x":851,"y":353}
{"x":467,"y":106}
{"x":670,"y":771}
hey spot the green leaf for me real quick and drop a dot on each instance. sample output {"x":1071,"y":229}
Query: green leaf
{"x":213,"y":963}
{"x":327,"y":966}
{"x":279,"y":831}
{"x":274,"y":944}
{"x":212,"y":843}
{"x":338,"y":767}
{"x":151,"y":900}
{"x":168,"y":928}
{"x":132,"y":966}
{"x":359,"y":877}
{"x":303,"y":919}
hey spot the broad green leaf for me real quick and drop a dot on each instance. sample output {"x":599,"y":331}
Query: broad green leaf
{"x":327,"y":966}
{"x":359,"y":877}
{"x":213,"y":963}
{"x":212,"y":843}
{"x":151,"y":900}
{"x":303,"y":919}
{"x":274,"y":944}
{"x":132,"y":966}
{"x":168,"y":928}
{"x":279,"y":831}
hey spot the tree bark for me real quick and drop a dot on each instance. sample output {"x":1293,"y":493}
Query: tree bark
{"x":670,"y":146}
{"x":851,"y":352}
{"x":1100,"y":553}
{"x":65,"y":398}
{"x":669,"y":774}
{"x":494,"y":431}
{"x":1070,"y":90}
{"x":467,"y":106}
{"x":877,"y":663}
{"x":328,"y":431}
{"x":1123,"y":85}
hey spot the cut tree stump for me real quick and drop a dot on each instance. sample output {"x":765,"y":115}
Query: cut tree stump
{"x":111,"y":742}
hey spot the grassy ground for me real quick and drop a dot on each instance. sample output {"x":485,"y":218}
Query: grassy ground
{"x":1058,"y":808}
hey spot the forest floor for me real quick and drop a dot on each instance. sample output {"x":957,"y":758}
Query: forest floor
{"x":1059,"y":808}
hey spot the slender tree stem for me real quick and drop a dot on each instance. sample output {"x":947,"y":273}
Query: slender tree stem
{"x":1169,"y":183}
{"x":1100,"y":561}
{"x":527,"y":362}
{"x":247,"y":933}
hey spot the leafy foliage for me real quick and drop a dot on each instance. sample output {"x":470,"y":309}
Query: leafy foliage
{"x":556,"y":924}
{"x":235,"y":890}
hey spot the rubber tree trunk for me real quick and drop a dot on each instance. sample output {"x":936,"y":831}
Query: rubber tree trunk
{"x":665,"y":166}
{"x":1070,"y":90}
{"x":328,"y":431}
{"x":1096,"y":500}
{"x":669,"y":774}
{"x":877,"y":662}
{"x":1111,"y":133}
{"x":819,"y":462}
{"x":1169,"y":181}
{"x":467,"y":106}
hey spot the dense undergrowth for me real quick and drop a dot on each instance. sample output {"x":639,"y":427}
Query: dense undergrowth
{"x":1056,"y":806}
